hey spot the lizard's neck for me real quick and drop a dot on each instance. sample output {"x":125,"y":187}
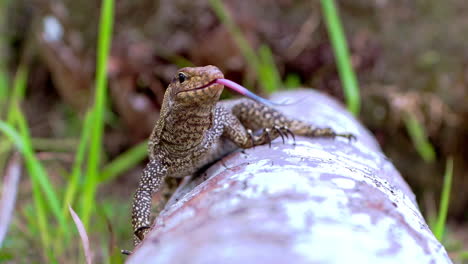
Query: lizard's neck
{"x":185,"y":126}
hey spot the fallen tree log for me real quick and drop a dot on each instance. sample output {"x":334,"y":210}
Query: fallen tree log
{"x":319,"y":201}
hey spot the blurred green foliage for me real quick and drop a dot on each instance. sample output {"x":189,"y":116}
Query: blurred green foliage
{"x":439,"y":229}
{"x":49,"y":202}
{"x":340,"y":47}
{"x":418,"y":135}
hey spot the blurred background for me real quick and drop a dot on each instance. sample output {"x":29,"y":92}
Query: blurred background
{"x":84,"y":145}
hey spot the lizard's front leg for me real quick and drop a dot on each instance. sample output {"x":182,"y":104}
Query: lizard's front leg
{"x":256,"y":116}
{"x":244,"y":137}
{"x":150,"y":182}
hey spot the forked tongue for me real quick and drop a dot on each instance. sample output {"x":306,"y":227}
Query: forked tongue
{"x":245,"y":92}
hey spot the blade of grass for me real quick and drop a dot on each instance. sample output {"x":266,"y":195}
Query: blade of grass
{"x":292,"y":81}
{"x":444,"y":200}
{"x":38,"y":182}
{"x":263,"y":65}
{"x":463,"y":255}
{"x":226,"y":18}
{"x":76,"y":174}
{"x":268,"y":73}
{"x":340,"y":48}
{"x":39,"y":179}
{"x":123,"y":162}
{"x":40,"y":207}
{"x":419,"y":138}
{"x":95,"y":149}
{"x":3,"y":69}
{"x":17,"y":94}
{"x":36,"y":216}
{"x":35,"y":169}
{"x":19,"y":89}
{"x":41,"y":217}
{"x":113,"y":254}
{"x":3,"y":90}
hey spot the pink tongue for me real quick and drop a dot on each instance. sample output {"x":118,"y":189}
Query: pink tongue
{"x":243,"y":91}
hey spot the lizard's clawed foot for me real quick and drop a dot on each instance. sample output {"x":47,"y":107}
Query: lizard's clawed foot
{"x":269,"y":134}
{"x":126,"y":252}
{"x":349,"y":136}
{"x":139,"y":235}
{"x":328,"y":132}
{"x":141,"y":232}
{"x":251,"y":136}
{"x":284,"y":131}
{"x":287,"y":131}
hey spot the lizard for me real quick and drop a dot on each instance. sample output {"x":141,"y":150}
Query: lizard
{"x":195,"y":128}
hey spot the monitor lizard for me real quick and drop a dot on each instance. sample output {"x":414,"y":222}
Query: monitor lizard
{"x":195,"y":129}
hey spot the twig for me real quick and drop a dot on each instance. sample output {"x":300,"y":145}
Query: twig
{"x":83,"y":235}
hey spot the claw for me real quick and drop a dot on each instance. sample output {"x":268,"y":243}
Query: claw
{"x":280,"y":132}
{"x":350,"y":137}
{"x":288,"y":131}
{"x":141,"y":231}
{"x":126,"y":252}
{"x":267,"y":132}
{"x":250,"y":133}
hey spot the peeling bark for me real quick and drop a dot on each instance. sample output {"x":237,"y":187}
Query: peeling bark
{"x":319,"y":201}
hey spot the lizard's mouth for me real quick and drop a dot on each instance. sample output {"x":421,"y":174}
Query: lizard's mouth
{"x":200,"y":87}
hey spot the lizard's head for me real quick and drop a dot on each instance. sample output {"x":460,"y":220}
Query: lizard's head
{"x":196,"y":85}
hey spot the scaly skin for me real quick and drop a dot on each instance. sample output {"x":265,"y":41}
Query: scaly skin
{"x":195,"y":129}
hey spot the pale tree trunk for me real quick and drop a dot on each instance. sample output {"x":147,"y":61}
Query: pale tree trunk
{"x":319,"y":201}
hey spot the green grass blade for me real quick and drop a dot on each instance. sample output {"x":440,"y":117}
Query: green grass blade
{"x":19,"y":89}
{"x":225,"y":18}
{"x":444,"y":200}
{"x":419,"y":138}
{"x":40,"y":214}
{"x":3,"y":90}
{"x":41,"y":181}
{"x":3,"y":57}
{"x":36,"y":217}
{"x":263,"y":65}
{"x":463,"y":256}
{"x":35,"y":169}
{"x":17,"y":94}
{"x":340,"y":48}
{"x":268,"y":73}
{"x":76,"y":174}
{"x":292,"y":81}
{"x":124,"y":161}
{"x":95,"y":149}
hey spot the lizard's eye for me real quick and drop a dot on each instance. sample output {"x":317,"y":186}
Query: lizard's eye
{"x":182,"y":77}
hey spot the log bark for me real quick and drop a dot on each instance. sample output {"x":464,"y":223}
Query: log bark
{"x":319,"y":201}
